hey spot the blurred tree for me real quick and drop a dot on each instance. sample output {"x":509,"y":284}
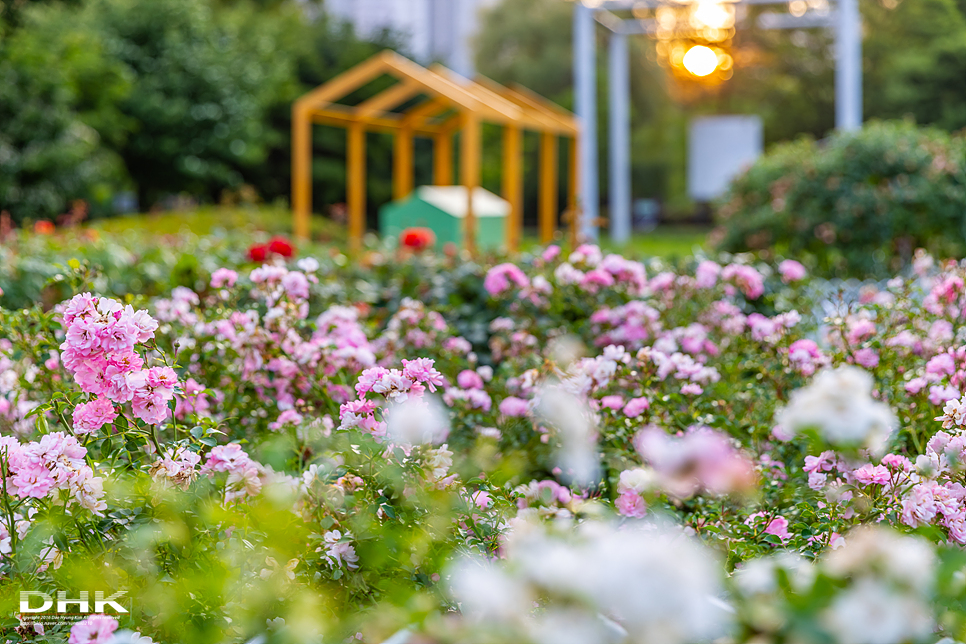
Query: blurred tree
{"x":204,"y":81}
{"x":49,"y":152}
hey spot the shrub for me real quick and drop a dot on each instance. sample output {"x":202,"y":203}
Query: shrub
{"x":859,"y":203}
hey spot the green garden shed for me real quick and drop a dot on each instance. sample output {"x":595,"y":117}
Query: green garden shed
{"x":442,"y":209}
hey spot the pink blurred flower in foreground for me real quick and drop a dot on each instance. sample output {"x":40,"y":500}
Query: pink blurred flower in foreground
{"x":792,"y":271}
{"x":702,"y":459}
{"x":96,"y":629}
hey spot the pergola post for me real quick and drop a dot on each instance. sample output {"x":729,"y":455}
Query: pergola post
{"x":620,"y":140}
{"x":471,"y":148}
{"x":548,"y":186}
{"x":402,"y":164}
{"x":848,"y":66}
{"x":573,"y":186}
{"x":356,"y":184}
{"x":513,"y":184}
{"x":301,"y":171}
{"x":585,"y":101}
{"x":443,"y":159}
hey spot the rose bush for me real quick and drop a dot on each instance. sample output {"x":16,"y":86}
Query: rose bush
{"x":570,"y":447}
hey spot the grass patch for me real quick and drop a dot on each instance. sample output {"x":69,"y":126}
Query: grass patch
{"x":218,"y":220}
{"x":669,"y":242}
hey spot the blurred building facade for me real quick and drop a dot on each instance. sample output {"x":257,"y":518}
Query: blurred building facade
{"x":434,"y":30}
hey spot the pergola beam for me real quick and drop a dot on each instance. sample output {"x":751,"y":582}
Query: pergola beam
{"x":342,"y":117}
{"x":388,"y":99}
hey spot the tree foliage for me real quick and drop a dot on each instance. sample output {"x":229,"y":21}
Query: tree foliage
{"x":49,"y":152}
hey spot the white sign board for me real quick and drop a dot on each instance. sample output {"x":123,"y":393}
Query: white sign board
{"x":720,"y":148}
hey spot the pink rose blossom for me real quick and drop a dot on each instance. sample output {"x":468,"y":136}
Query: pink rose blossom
{"x":95,"y":629}
{"x":778,"y":527}
{"x":614,"y":402}
{"x":223,"y":278}
{"x":499,"y":278}
{"x":868,"y":358}
{"x":636,"y":406}
{"x":872,"y":475}
{"x":91,"y":416}
{"x":630,"y":504}
{"x":791,"y":271}
{"x":469,"y":379}
{"x":706,"y":275}
{"x":513,"y":406}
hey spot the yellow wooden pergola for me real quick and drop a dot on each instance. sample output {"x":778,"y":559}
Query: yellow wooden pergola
{"x":448,"y":106}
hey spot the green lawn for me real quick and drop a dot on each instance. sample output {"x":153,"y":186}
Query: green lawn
{"x":208,"y":220}
{"x":666,"y":241}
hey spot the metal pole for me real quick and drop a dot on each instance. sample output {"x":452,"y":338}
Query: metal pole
{"x":620,"y":144}
{"x":585,"y":100}
{"x":848,"y":66}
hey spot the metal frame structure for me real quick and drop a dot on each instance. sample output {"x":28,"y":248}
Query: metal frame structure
{"x":844,"y":19}
{"x":451,"y":104}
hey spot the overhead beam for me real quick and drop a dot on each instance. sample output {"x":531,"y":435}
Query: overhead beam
{"x":342,"y":117}
{"x":388,"y":99}
{"x":775,"y":20}
{"x":347,"y":82}
{"x":537,"y":116}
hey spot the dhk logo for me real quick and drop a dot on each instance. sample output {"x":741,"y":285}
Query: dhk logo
{"x":82,"y":603}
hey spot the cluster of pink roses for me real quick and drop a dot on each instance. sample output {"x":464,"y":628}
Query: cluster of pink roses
{"x":99,"y":350}
{"x":56,"y":462}
{"x":393,"y":386}
{"x":243,"y":473}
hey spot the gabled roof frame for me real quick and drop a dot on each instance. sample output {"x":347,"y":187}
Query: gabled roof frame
{"x":452,"y":104}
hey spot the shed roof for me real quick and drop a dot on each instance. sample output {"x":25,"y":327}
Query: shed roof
{"x":452,"y":199}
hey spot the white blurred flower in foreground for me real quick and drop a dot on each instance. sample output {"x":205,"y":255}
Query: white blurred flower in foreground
{"x":889,"y":600}
{"x":485,"y":591}
{"x":760,"y":576}
{"x":839,"y":404}
{"x":869,"y":613}
{"x":577,"y":455}
{"x":653,"y":582}
{"x":417,"y":421}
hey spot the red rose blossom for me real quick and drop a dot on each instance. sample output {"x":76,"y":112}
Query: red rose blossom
{"x":417,"y":238}
{"x":258,"y":252}
{"x":281,"y":246}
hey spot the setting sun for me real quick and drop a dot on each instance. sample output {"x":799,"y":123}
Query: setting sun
{"x":700,"y":60}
